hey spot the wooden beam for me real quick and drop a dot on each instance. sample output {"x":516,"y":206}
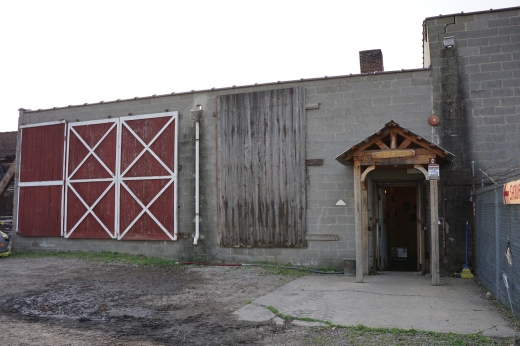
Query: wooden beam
{"x":382,"y":145}
{"x":424,"y":171}
{"x":322,"y":237}
{"x":419,"y":141}
{"x":418,"y":151}
{"x":409,"y":138}
{"x":434,"y":230}
{"x":8,"y":178}
{"x":357,"y":221}
{"x":422,"y":157}
{"x":314,"y":162}
{"x":366,"y":171}
{"x":393,"y":140}
{"x":405,"y":143}
{"x":363,"y":145}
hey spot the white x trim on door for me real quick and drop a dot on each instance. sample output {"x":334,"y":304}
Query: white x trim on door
{"x":118,"y":178}
{"x":70,"y":180}
{"x":171,"y":175}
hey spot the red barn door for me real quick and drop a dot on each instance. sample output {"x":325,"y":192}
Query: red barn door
{"x":119,"y":176}
{"x":148,"y":177}
{"x":91,"y":180}
{"x":40,"y":186}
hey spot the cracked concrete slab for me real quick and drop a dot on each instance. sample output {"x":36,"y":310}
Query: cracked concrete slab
{"x":254,"y":313}
{"x":389,"y":300}
{"x":308,"y":324}
{"x":278,"y":321}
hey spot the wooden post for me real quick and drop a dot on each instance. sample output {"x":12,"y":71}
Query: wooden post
{"x":375,"y":217}
{"x":8,"y":177}
{"x":364,"y":220}
{"x":434,"y":230}
{"x":357,"y":218}
{"x":421,"y":218}
{"x":393,"y":140}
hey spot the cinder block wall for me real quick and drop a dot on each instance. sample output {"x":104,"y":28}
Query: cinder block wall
{"x":351,"y":108}
{"x":476,"y":93}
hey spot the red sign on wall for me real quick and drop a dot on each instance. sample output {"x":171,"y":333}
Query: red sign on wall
{"x":512,"y":192}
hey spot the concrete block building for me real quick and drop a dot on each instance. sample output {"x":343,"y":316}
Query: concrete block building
{"x":308,"y":172}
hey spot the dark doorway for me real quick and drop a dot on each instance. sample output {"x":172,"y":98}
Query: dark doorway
{"x":400,"y":220}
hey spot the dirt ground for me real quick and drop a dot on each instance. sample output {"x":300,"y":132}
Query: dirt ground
{"x":53,"y":301}
{"x":56,"y":301}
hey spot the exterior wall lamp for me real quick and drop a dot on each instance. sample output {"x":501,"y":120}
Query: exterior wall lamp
{"x":448,"y":42}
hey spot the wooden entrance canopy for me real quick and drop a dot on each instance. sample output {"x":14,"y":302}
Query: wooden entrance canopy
{"x":392,"y":146}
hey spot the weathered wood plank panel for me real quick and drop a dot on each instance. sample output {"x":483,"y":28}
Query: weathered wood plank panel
{"x":7,"y":179}
{"x":42,"y":153}
{"x":261,"y":170}
{"x":358,"y":222}
{"x":41,"y":180}
{"x":39,"y":213}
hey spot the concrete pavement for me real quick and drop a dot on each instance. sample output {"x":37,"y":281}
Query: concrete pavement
{"x":388,"y":300}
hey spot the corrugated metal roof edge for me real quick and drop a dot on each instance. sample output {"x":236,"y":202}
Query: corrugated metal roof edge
{"x":471,"y":13}
{"x":228,"y":88}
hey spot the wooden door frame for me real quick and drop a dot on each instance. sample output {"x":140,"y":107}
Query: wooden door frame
{"x":361,"y":224}
{"x":378,"y":184}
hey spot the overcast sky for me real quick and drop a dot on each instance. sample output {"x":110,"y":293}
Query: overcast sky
{"x":58,"y":53}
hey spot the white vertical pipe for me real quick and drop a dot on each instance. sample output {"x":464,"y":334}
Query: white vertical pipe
{"x":197,"y":216}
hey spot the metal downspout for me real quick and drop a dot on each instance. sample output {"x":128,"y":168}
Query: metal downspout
{"x":197,"y":211}
{"x":196,"y":115}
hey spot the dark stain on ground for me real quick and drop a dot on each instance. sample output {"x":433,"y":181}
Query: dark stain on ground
{"x":163,"y":306}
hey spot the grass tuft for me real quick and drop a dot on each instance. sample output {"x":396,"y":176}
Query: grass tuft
{"x":103,"y":257}
{"x":363,"y":335}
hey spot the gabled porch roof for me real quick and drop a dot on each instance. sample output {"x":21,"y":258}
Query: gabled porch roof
{"x":394,"y":145}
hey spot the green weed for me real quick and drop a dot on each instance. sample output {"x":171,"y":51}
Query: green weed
{"x":104,"y":257}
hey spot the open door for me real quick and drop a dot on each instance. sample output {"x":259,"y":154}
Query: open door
{"x":400,"y":242}
{"x":382,"y":262}
{"x":401,"y":227}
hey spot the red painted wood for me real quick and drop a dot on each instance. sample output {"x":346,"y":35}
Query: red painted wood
{"x":90,"y":227}
{"x":145,"y":228}
{"x":90,"y":191}
{"x":39,"y":211}
{"x":163,"y":147}
{"x":39,"y":207}
{"x":106,"y":151}
{"x":42,"y":153}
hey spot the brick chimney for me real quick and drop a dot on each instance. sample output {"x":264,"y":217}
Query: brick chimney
{"x":371,"y":60}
